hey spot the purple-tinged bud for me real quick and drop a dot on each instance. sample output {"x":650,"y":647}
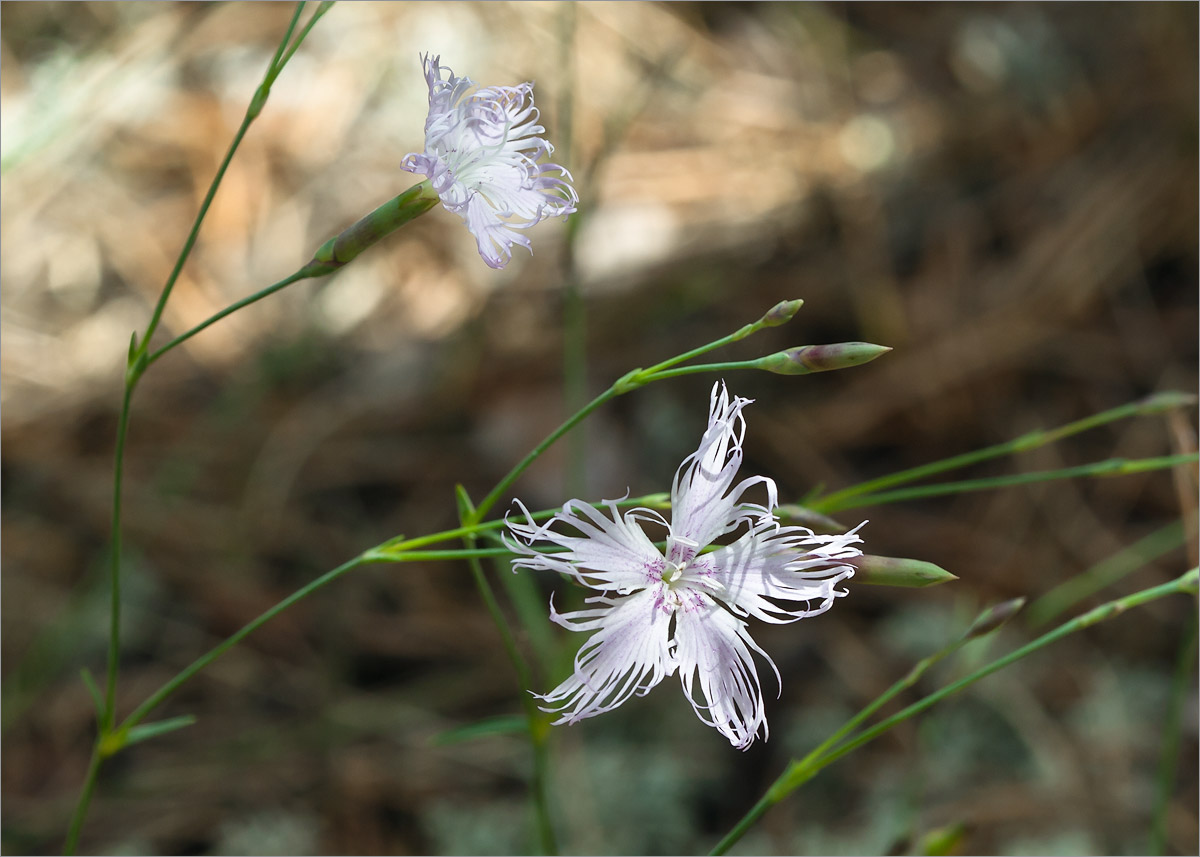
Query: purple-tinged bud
{"x":992,"y":618}
{"x":781,"y":313}
{"x":821,"y":358}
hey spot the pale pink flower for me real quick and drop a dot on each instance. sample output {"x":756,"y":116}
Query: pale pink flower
{"x":481,"y":153}
{"x":659,"y":611}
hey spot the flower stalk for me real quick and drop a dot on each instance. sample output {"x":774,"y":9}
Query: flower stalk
{"x":799,"y":772}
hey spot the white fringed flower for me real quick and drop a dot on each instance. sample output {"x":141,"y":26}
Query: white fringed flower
{"x":682,"y":608}
{"x":481,"y":152}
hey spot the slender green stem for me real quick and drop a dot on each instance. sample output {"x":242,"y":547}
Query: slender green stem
{"x":386,"y":551}
{"x":436,"y":556}
{"x":535,"y":721}
{"x":1154,"y":404}
{"x":1104,"y":573}
{"x":490,"y":500}
{"x":114,"y":625}
{"x":575,"y":382}
{"x":799,"y":772}
{"x":1111,"y":467}
{"x":232,"y":308}
{"x":574,"y":308}
{"x":85,"y":800}
{"x":251,"y":114}
{"x":663,"y":374}
{"x":322,"y":8}
{"x":1185,"y":671}
{"x":136,"y":366}
{"x":639,"y":378}
{"x":159,"y":696}
{"x":659,"y":369}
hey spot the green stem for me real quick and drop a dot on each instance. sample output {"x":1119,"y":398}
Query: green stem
{"x":136,"y":365}
{"x":1111,"y":467}
{"x":1104,"y":573}
{"x":232,"y":308}
{"x":575,"y":382}
{"x":322,"y":8}
{"x":799,"y":772}
{"x":777,"y":315}
{"x":1153,"y":404}
{"x":663,"y":374}
{"x":159,"y":696}
{"x":252,"y":112}
{"x":490,"y":500}
{"x":536,"y":723}
{"x":434,"y":556}
{"x":388,"y":550}
{"x":114,"y":627}
{"x":85,"y":800}
{"x":1185,"y":671}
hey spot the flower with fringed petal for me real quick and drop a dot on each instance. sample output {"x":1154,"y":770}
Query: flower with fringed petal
{"x":683,"y":608}
{"x":481,"y":156}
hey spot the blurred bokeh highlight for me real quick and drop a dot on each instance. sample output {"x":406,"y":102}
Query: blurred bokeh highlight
{"x":1004,"y":194}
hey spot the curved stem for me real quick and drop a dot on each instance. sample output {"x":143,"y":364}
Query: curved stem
{"x":114,"y":625}
{"x":1111,"y":467}
{"x":800,"y":772}
{"x":535,"y":723}
{"x":302,"y":274}
{"x":159,"y":696}
{"x":85,"y":800}
{"x":251,"y":114}
{"x":490,"y":500}
{"x":1168,"y":762}
{"x":1154,"y":404}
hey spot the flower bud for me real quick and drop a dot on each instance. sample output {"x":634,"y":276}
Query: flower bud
{"x":821,"y":358}
{"x":781,"y":313}
{"x":390,"y":216}
{"x":992,"y":618}
{"x":894,"y":571}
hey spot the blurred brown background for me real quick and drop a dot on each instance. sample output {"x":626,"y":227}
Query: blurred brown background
{"x":1006,"y":194}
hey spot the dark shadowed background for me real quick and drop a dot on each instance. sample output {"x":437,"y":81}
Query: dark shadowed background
{"x":1005,"y":194}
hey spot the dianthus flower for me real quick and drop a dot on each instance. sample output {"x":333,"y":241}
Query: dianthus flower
{"x":481,"y":153}
{"x":682,"y":608}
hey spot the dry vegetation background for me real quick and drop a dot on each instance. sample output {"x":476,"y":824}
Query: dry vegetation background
{"x":1006,"y":194}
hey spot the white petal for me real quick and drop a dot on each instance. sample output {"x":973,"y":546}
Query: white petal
{"x":481,"y":152}
{"x":703,"y":507}
{"x":608,"y":554}
{"x":713,"y":656}
{"x":784,"y":564}
{"x":628,"y":654}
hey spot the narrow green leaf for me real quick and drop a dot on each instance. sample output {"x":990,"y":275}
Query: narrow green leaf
{"x":993,"y":618}
{"x":94,"y":690}
{"x":465,"y":506}
{"x":162,"y":727}
{"x":942,"y":840}
{"x":503,"y":724}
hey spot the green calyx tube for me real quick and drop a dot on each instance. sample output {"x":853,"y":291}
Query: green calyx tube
{"x":387,"y":218}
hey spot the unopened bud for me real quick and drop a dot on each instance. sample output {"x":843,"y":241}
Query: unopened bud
{"x":821,"y":358}
{"x":894,"y":571}
{"x":992,"y":618}
{"x":781,"y":313}
{"x":390,"y":216}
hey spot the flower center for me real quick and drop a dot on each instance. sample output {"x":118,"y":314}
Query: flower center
{"x":672,"y":572}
